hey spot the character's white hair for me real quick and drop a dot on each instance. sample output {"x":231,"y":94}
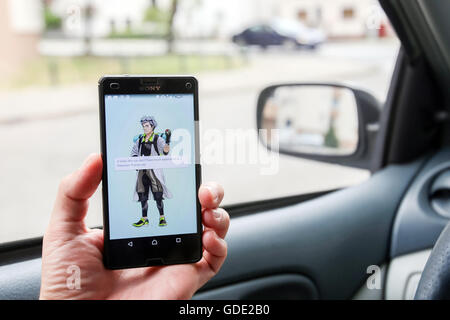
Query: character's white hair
{"x":150,"y":120}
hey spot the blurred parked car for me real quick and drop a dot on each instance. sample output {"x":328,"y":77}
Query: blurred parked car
{"x":303,"y":35}
{"x":290,"y":34}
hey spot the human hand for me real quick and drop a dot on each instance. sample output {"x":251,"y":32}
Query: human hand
{"x":69,"y":242}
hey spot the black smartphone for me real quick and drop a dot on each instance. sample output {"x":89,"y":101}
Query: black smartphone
{"x":151,"y":170}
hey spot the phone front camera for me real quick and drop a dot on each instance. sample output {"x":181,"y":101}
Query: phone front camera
{"x":114,"y":86}
{"x":188,"y":85}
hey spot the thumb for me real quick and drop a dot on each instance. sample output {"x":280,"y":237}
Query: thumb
{"x":73,"y":193}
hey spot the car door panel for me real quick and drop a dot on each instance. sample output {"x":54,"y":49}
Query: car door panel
{"x":417,"y":226}
{"x":21,"y":280}
{"x":286,"y":286}
{"x":323,"y":246}
{"x":330,"y":240}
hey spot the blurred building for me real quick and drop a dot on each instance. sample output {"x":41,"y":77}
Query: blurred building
{"x":221,"y":19}
{"x":22,"y":22}
{"x":339,"y":18}
{"x":20,"y":29}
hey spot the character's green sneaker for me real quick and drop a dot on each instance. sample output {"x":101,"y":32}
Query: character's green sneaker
{"x":162,"y":221}
{"x":141,"y":222}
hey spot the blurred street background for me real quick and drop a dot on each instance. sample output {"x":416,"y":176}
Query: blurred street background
{"x":54,"y":52}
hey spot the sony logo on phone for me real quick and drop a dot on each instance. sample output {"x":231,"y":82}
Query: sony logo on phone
{"x":153,"y":88}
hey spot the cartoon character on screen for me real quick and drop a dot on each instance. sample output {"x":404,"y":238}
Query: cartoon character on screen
{"x":150,"y":183}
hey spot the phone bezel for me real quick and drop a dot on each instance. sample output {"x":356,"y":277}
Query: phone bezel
{"x":117,"y":254}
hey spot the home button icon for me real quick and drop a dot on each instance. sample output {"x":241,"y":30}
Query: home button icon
{"x":178,"y":240}
{"x":154,"y":242}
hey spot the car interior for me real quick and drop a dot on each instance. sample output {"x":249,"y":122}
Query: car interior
{"x":326,"y":245}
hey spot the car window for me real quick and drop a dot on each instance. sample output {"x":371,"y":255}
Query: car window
{"x":54,"y":51}
{"x":268,"y":29}
{"x":257,"y":29}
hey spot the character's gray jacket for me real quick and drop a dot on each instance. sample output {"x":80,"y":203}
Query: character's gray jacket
{"x":136,"y":151}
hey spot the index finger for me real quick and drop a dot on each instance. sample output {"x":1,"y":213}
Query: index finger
{"x":210,"y":195}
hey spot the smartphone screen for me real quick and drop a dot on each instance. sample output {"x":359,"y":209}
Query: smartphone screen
{"x":150,"y":178}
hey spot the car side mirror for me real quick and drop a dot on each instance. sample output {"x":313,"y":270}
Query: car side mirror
{"x":324,"y":122}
